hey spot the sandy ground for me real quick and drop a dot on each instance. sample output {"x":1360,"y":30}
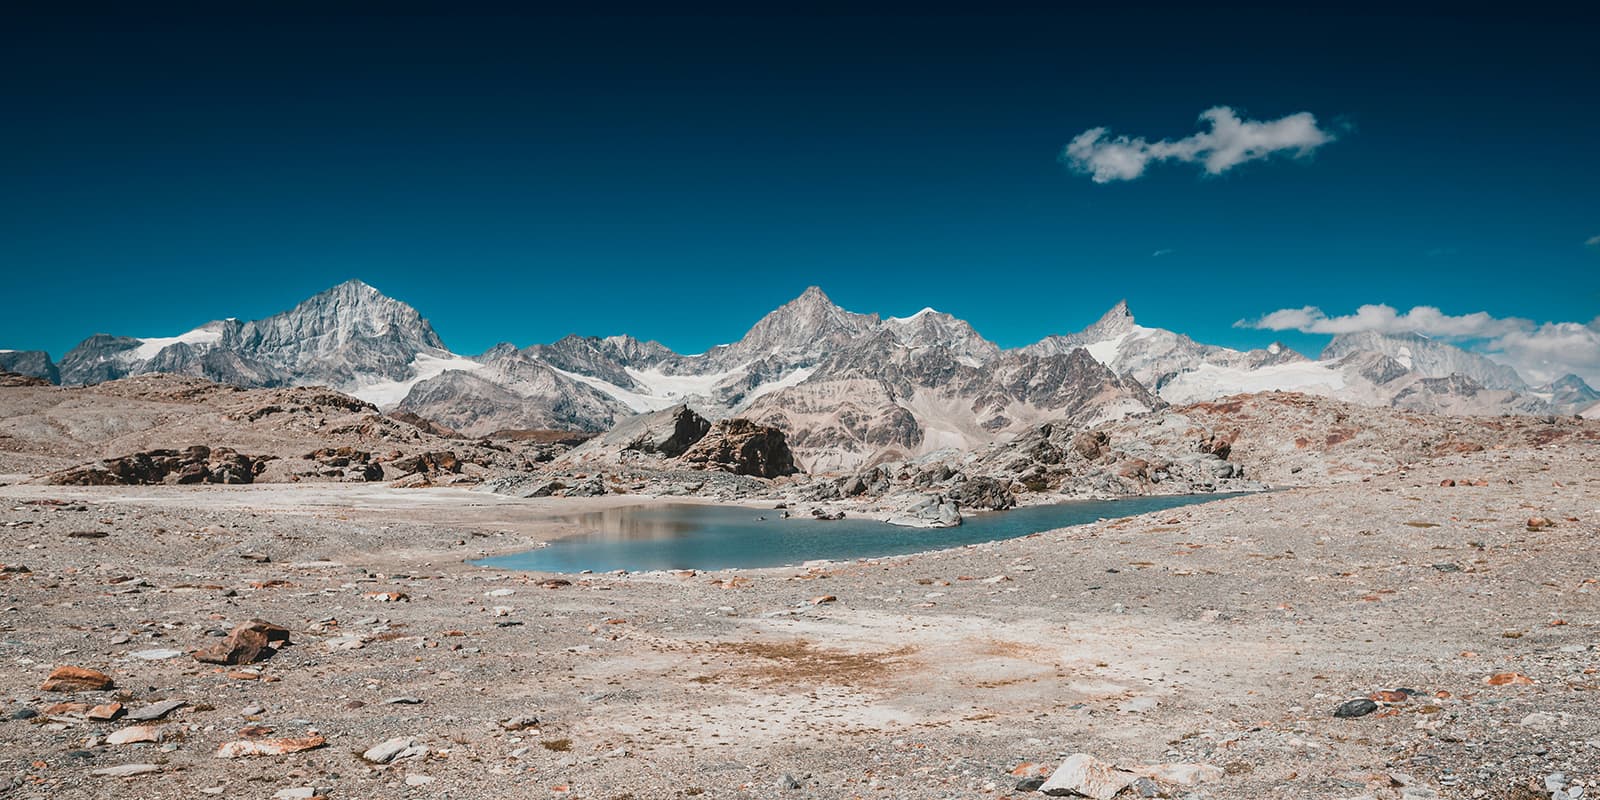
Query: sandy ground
{"x":1221,"y":634}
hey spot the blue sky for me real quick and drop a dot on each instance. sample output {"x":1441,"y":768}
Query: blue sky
{"x":521,"y":177}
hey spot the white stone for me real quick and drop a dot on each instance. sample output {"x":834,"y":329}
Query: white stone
{"x":1088,"y":776}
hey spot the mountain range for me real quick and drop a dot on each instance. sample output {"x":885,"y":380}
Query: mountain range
{"x":847,"y":388}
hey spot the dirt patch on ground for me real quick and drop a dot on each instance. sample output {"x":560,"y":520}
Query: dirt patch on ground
{"x":798,"y":662}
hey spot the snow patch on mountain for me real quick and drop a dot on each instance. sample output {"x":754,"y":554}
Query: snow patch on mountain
{"x":1210,"y":381}
{"x":794,"y":378}
{"x":386,"y":394}
{"x":208,"y":334}
{"x":919,"y":315}
{"x":661,"y":384}
{"x":637,"y":402}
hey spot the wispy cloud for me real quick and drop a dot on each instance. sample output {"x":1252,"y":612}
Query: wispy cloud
{"x":1592,"y":241}
{"x":1385,"y":319}
{"x":1231,"y":141}
{"x":1539,"y":352}
{"x":1165,"y":251}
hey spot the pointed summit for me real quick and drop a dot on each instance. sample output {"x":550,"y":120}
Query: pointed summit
{"x":803,"y":324}
{"x":1118,"y":316}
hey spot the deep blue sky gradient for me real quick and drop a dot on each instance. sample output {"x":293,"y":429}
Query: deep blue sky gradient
{"x":520,"y":177}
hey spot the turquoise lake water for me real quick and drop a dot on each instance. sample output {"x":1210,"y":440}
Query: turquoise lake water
{"x":686,"y":536}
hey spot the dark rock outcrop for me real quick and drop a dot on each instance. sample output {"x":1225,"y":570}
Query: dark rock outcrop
{"x":983,"y":493}
{"x":742,"y":447}
{"x":197,"y":464}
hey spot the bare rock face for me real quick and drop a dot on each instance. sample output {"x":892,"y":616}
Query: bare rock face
{"x":677,"y":430}
{"x":742,"y":447}
{"x":197,"y":464}
{"x":983,"y":492}
{"x":33,"y":363}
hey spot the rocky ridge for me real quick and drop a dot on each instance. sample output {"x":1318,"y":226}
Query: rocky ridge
{"x":848,"y":389}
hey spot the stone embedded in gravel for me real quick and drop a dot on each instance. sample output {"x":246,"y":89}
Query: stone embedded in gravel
{"x":788,"y":783}
{"x":414,"y":779}
{"x":1355,"y":708}
{"x":301,"y":793}
{"x":125,"y":770}
{"x":24,"y":713}
{"x":1181,"y":774}
{"x":155,"y":711}
{"x":269,"y":747}
{"x":76,"y":679}
{"x":1508,"y":679}
{"x":248,"y":642}
{"x":402,"y":701}
{"x":392,"y":749}
{"x":134,"y":734}
{"x":1084,"y":775}
{"x":105,"y":712}
{"x":155,"y":655}
{"x":519,"y":723}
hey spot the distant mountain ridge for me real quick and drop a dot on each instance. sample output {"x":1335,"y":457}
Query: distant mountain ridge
{"x":848,"y":388}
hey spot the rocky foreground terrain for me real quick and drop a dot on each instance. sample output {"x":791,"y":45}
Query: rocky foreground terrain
{"x":1411,"y":614}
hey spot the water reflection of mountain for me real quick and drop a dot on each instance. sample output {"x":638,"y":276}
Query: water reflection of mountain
{"x":656,"y":521}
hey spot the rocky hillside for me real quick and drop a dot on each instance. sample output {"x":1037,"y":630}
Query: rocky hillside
{"x":173,"y":429}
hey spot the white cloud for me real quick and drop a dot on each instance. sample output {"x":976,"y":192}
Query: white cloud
{"x":1592,"y":241}
{"x":1539,"y":352}
{"x":1425,"y":320}
{"x":1231,"y":141}
{"x":1165,"y":251}
{"x":1553,"y":350}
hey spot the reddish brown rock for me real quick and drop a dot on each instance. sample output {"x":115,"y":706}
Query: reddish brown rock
{"x":76,"y":679}
{"x":1508,"y":679}
{"x":249,"y":641}
{"x":269,"y":747}
{"x":105,"y":712}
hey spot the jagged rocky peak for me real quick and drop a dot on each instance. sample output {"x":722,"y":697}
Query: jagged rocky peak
{"x":350,"y":311}
{"x":807,"y":323}
{"x":930,"y":328}
{"x":1115,"y":322}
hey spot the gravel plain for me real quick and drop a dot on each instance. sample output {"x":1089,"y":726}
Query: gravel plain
{"x":1220,"y":638}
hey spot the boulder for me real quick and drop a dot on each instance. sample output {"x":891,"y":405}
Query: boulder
{"x":742,"y":447}
{"x":668,"y":433}
{"x":1091,"y":444}
{"x":247,"y":642}
{"x":931,"y":511}
{"x":1086,"y":776}
{"x":983,"y":493}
